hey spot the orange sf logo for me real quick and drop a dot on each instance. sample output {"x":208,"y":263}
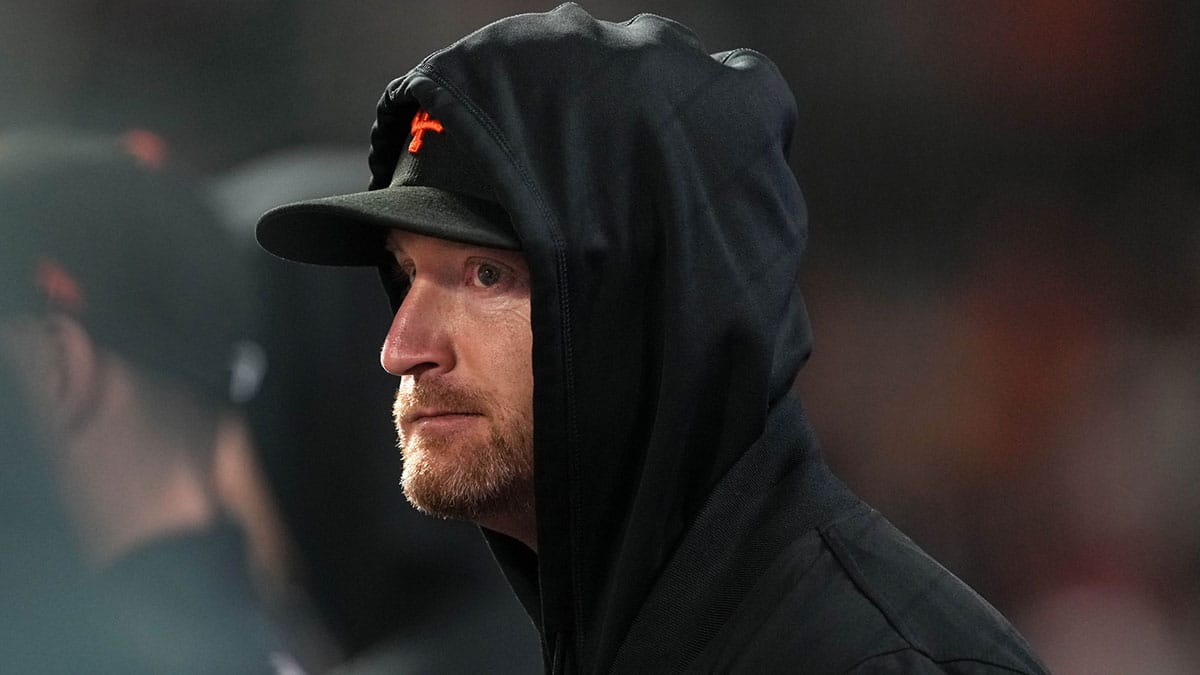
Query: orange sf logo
{"x":58,"y":286}
{"x":421,"y":123}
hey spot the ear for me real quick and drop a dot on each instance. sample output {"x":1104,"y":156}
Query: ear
{"x":71,"y":371}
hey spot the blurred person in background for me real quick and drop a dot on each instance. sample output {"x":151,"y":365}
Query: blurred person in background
{"x":584,"y":223}
{"x":125,"y":331}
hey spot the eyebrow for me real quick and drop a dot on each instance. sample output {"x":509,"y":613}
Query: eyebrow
{"x":390,"y":241}
{"x":393,"y":246}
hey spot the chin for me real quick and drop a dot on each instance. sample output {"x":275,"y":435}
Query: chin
{"x":467,"y":484}
{"x":461,"y":498}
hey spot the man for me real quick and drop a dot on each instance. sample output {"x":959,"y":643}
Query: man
{"x":122,"y":328}
{"x":590,"y":235}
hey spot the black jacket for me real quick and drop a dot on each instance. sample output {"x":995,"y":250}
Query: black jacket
{"x":685,"y":519}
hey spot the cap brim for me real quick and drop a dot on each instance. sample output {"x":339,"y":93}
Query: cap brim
{"x":351,"y":229}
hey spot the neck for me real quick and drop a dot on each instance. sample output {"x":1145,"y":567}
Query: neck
{"x":522,"y":527}
{"x":124,"y":483}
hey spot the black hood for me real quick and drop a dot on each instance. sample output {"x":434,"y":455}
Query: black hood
{"x":649,"y":187}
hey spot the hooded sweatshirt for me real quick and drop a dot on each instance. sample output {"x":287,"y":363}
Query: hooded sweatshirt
{"x":685,"y":520}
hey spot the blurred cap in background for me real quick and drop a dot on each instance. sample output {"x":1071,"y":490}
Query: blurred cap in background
{"x":88,"y":226}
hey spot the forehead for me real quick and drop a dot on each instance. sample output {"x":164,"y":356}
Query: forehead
{"x":411,"y":244}
{"x":402,"y":241}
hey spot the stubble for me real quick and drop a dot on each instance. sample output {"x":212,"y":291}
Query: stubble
{"x":473,"y":476}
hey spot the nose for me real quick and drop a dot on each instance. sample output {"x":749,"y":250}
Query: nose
{"x":418,"y":340}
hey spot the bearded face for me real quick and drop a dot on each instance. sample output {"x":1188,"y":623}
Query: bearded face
{"x":461,"y":343}
{"x":466,"y":455}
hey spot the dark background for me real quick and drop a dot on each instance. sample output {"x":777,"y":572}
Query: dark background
{"x":1003,"y":279}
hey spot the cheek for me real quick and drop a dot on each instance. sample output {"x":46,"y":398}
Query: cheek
{"x":512,"y":358}
{"x":505,"y":350}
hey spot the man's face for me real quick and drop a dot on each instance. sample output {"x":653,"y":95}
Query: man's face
{"x":462,"y":345}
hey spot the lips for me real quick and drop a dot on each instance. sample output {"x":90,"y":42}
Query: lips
{"x":436,"y":403}
{"x":422,"y":415}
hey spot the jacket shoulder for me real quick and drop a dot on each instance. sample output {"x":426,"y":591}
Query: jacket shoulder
{"x":936,"y":614}
{"x":857,"y":596}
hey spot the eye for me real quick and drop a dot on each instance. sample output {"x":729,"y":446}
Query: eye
{"x":488,"y":274}
{"x":494,"y":276}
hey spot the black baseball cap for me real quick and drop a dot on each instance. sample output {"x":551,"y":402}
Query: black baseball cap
{"x":103,"y":228}
{"x":436,"y":189}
